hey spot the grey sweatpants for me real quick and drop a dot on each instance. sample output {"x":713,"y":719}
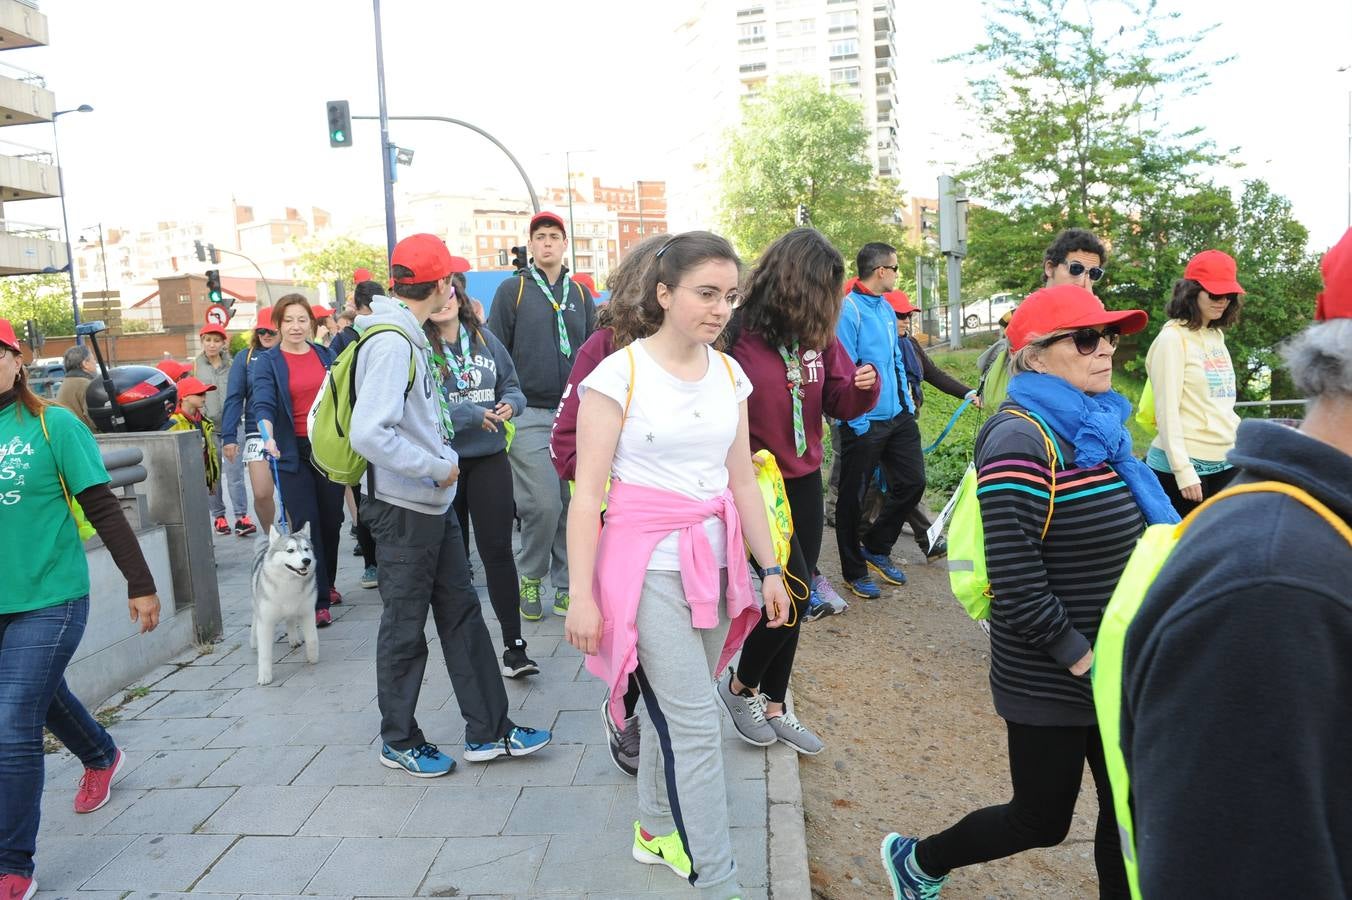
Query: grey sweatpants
{"x":680,"y":773}
{"x":541,"y":500}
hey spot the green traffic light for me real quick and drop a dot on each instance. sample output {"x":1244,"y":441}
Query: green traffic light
{"x":340,"y":137}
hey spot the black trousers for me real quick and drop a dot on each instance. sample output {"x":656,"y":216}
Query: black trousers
{"x":918,"y":520}
{"x":364,"y":539}
{"x":1211,"y":484}
{"x":423,"y":566}
{"x":767,"y":654}
{"x":1046,"y":766}
{"x":312,"y":499}
{"x":895,"y":445}
{"x":483,"y":494}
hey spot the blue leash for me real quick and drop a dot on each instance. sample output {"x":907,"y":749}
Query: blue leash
{"x":277,"y":482}
{"x":952,"y":420}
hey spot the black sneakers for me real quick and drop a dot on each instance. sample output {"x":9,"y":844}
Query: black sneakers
{"x":516,"y":663}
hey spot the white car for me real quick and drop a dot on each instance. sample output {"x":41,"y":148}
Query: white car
{"x":988,"y":311}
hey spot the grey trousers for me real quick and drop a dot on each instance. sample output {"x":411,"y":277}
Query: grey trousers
{"x":423,"y":565}
{"x":232,"y":474}
{"x":541,"y":500}
{"x":680,"y":772}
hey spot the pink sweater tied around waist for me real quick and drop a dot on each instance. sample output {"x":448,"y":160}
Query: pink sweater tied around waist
{"x":637,"y":519}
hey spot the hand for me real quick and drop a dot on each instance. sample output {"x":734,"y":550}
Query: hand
{"x":230,"y":451}
{"x":582,"y":626}
{"x":777,"y":602}
{"x":503,"y":411}
{"x":490,"y":421}
{"x":145,"y":610}
{"x":1192,"y":492}
{"x":1083,"y":665}
{"x":975,"y":398}
{"x":271,"y":448}
{"x":865,"y":377}
{"x":450,"y":479}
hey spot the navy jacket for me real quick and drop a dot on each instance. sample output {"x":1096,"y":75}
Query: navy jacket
{"x":270,"y":399}
{"x":237,"y":390}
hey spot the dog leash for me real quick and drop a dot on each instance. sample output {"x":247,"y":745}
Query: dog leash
{"x":952,"y":420}
{"x":276,"y":481}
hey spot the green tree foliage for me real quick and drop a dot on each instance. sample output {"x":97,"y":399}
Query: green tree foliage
{"x":339,"y":258}
{"x":43,"y":298}
{"x":800,"y":143}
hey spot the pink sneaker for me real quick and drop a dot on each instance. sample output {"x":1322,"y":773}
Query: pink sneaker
{"x":96,"y":785}
{"x":323,"y":618}
{"x":16,"y":887}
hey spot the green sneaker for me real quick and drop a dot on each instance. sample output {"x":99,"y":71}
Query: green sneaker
{"x":560,"y":603}
{"x":530,"y":599}
{"x":665,"y":850}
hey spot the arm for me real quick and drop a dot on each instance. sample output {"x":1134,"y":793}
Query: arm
{"x":467,"y":414}
{"x":746,"y":496}
{"x":847,"y":329}
{"x":508,"y":385}
{"x":233,"y":410}
{"x":599,"y":421}
{"x":382,"y":372}
{"x":841,"y":398}
{"x":105,"y":514}
{"x":937,"y":376}
{"x":563,"y":436}
{"x":1165,"y":364}
{"x":263,"y":399}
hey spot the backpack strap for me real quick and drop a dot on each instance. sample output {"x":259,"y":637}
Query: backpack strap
{"x":520,"y":286}
{"x":1275,"y":487}
{"x":629,"y":349}
{"x":1053,"y":457}
{"x":65,"y":491}
{"x":727,"y":365}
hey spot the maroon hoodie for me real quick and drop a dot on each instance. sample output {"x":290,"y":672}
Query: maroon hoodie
{"x":563,"y":439}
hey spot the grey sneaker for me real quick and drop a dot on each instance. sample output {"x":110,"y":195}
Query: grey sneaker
{"x":560,"y":602}
{"x":829,"y":595}
{"x":530,"y":599}
{"x":791,"y":731}
{"x":748,"y":714}
{"x":624,"y":742}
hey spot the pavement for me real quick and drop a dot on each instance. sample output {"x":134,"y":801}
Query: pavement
{"x":232,"y":790}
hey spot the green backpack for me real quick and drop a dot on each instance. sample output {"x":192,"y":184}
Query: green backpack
{"x":967,"y":536}
{"x":330,"y":418}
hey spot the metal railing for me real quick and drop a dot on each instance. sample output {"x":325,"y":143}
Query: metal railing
{"x":29,"y":229}
{"x":9,"y":70}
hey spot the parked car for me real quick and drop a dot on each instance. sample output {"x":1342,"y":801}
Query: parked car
{"x":45,"y":376}
{"x":988,"y":311}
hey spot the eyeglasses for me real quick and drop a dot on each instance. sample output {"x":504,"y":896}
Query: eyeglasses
{"x":894,"y":269}
{"x":1087,"y":339}
{"x":1077,"y":268}
{"x":265,"y":332}
{"x":711,"y":296}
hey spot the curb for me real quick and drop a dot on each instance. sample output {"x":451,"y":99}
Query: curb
{"x":786,"y":860}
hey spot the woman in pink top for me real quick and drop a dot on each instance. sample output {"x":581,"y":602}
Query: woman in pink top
{"x":664,"y":592}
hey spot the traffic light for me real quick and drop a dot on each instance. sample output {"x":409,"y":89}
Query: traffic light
{"x":519,"y":261}
{"x":802,"y":217}
{"x":205,"y":252}
{"x":214,"y":292}
{"x":340,"y":124}
{"x":34,"y":337}
{"x":201,"y":251}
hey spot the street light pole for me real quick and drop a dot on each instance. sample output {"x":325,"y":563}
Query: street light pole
{"x":572,"y":233}
{"x":386,"y":151}
{"x":65,"y":225}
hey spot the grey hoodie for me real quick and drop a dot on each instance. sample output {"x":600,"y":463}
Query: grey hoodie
{"x":400,"y":436}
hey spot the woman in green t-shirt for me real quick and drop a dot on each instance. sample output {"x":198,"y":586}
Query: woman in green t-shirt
{"x":47,"y":457}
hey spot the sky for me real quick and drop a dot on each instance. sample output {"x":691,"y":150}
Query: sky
{"x":197,"y":101}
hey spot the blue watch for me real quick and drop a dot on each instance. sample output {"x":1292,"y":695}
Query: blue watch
{"x":772,"y":570}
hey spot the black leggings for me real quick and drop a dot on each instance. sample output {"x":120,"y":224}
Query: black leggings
{"x":1211,"y":484}
{"x":767,"y":655}
{"x":484,"y":493}
{"x":1046,"y":766}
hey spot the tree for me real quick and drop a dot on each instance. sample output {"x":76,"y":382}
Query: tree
{"x":42,"y":298}
{"x":340,"y":257}
{"x":801,"y":144}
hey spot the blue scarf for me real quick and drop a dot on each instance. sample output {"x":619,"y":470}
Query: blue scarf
{"x":1096,"y":425}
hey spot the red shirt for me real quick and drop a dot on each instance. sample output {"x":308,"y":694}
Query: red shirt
{"x":305,"y":374}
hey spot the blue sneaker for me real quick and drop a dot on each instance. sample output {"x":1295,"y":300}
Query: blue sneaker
{"x":908,"y":882}
{"x":883,"y":565}
{"x":864,"y":587}
{"x":816,"y":608}
{"x":518,"y":742}
{"x":424,"y":761}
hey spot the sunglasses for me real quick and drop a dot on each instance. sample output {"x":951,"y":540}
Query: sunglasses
{"x":265,"y":332}
{"x":1087,"y":339}
{"x":1076,"y":269}
{"x":893,"y":268}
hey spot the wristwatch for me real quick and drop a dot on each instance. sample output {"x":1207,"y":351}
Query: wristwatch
{"x":772,"y":570}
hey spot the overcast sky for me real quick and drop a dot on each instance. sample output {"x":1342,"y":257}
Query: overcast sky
{"x":196,"y":101}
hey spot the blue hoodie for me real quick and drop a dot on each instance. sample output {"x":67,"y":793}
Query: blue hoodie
{"x":867,"y":328}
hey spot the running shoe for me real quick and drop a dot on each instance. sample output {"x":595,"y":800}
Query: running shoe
{"x":790,"y":731}
{"x":661,"y":850}
{"x":222,"y":525}
{"x":530,"y":599}
{"x":520,"y":741}
{"x":244,"y":527}
{"x":748,"y":713}
{"x":829,"y":595}
{"x":423,"y":761}
{"x":865,"y":587}
{"x":883,"y":565}
{"x":908,"y":882}
{"x":516,"y":663}
{"x":624,"y":742}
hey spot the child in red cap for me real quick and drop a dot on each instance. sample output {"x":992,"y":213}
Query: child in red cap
{"x":188,"y":416}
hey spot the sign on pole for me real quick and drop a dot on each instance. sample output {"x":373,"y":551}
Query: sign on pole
{"x":217,"y":315}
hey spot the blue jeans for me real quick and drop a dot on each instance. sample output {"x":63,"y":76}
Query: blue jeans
{"x":232,"y":476}
{"x":35,"y":648}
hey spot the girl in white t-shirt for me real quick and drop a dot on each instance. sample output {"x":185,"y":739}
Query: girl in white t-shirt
{"x":665,"y":586}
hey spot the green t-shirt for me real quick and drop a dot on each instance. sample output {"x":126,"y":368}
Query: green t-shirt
{"x":41,"y":553}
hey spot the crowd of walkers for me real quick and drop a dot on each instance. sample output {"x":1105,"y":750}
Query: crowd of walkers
{"x":625,"y":443}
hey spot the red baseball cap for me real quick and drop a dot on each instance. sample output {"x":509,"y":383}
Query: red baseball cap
{"x":7,"y":336}
{"x":460,"y":264}
{"x":425,"y":255}
{"x":213,"y":328}
{"x":173,"y":368}
{"x":361,"y":275}
{"x":585,"y":280}
{"x":546,"y":218}
{"x":188,"y":385}
{"x":1333,"y":302}
{"x":263,"y":319}
{"x":1215,"y":271}
{"x":1067,"y":306}
{"x":900,"y":303}
{"x":321,"y":312}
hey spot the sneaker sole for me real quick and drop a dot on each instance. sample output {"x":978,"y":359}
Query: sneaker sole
{"x":886,"y":855}
{"x":801,"y":751}
{"x":486,"y":755}
{"x":884,"y":576}
{"x":653,"y":859}
{"x":117,"y":767}
{"x":370,"y":584}
{"x":517,"y":673}
{"x":392,"y":764}
{"x":529,"y":618}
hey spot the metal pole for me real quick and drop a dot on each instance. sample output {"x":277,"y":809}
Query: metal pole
{"x":638,"y":196}
{"x":1349,"y":159}
{"x":386,"y":159}
{"x":261,"y":277}
{"x":65,"y":228}
{"x":103,"y":262}
{"x":572,"y":234}
{"x":954,"y":302}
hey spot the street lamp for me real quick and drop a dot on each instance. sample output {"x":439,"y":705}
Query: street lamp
{"x":65,"y":227}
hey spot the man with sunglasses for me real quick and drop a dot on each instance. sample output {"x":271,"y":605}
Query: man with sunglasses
{"x":1075,"y":257}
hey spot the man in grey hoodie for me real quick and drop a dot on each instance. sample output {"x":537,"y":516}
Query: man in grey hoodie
{"x":403,"y":428}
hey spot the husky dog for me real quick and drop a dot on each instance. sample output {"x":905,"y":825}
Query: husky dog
{"x":284,"y":591}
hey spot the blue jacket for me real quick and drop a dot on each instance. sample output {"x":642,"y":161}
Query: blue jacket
{"x":270,"y":399}
{"x":867,"y":328}
{"x":237,"y":391}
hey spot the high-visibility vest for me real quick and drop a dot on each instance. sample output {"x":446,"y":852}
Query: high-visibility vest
{"x":1152,"y":551}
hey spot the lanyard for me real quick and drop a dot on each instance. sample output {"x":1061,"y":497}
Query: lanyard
{"x":461,"y":367}
{"x":565,"y":346}
{"x":443,"y":401}
{"x":794,"y":369}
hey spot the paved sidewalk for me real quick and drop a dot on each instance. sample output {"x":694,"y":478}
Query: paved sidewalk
{"x":232,"y":789}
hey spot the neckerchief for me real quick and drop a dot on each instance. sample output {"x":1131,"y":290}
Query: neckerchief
{"x":794,"y":368}
{"x":565,"y":346}
{"x":461,"y":367}
{"x":443,"y":400}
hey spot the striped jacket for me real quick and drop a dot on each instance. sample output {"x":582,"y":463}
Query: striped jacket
{"x":1049,"y":595}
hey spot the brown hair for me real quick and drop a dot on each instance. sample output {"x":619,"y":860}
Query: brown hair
{"x":676,"y":257}
{"x":621,"y":313}
{"x":1184,"y":307}
{"x":280,"y":307}
{"x":794,"y":291}
{"x":23,"y":394}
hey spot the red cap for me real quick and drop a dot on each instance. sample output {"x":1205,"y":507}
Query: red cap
{"x":900,"y":303}
{"x":7,"y":336}
{"x":361,"y":275}
{"x":585,"y":280}
{"x":1215,"y":271}
{"x":425,"y":255}
{"x":460,"y":264}
{"x":263,"y":318}
{"x":543,"y":218}
{"x":1335,"y":300}
{"x":1067,"y":306}
{"x":213,"y":328}
{"x":321,"y":312}
{"x":189,"y":385}
{"x":173,"y":368}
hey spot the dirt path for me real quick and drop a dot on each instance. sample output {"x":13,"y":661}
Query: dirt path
{"x":897,"y":688}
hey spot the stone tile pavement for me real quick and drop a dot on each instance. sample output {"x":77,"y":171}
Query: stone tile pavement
{"x":233,"y":790}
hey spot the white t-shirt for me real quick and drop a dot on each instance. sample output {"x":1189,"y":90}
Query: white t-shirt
{"x":677,"y":434}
